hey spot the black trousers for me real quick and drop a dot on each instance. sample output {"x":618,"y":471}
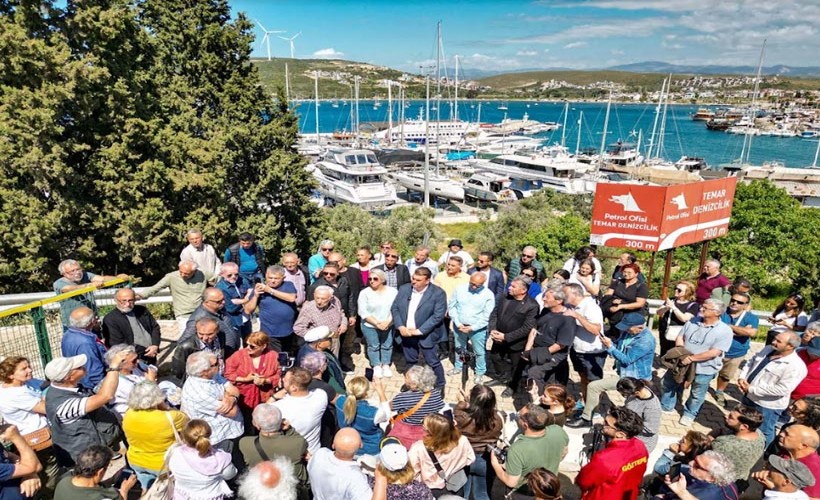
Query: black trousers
{"x":542,"y":373}
{"x":506,"y":364}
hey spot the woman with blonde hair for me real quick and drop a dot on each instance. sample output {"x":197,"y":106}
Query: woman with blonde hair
{"x":353,"y":410}
{"x":441,"y":455}
{"x":199,"y":469}
{"x":675,"y":312}
{"x":377,"y":322}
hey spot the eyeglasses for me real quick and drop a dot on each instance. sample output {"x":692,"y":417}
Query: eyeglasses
{"x":331,"y":274}
{"x":681,"y":290}
{"x":704,"y":308}
{"x":231,"y":275}
{"x":327,"y":249}
{"x":372,"y":279}
{"x":741,"y":302}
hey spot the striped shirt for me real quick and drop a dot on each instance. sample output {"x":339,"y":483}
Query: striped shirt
{"x":73,"y":409}
{"x":403,"y":401}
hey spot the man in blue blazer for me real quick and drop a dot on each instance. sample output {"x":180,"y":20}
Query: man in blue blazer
{"x":495,"y":278}
{"x":418,"y":316}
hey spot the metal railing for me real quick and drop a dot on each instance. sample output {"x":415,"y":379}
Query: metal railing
{"x":34,"y":328}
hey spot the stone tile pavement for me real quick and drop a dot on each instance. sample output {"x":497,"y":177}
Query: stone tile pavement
{"x":710,"y":417}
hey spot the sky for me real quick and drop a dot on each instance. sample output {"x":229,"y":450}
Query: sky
{"x":504,"y":35}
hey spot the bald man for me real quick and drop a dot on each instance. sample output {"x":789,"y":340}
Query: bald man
{"x":470,"y":307}
{"x":80,"y":338}
{"x":186,"y":285}
{"x":800,"y":442}
{"x":335,"y":474}
{"x":270,"y":479}
{"x":133,"y":325}
{"x":213,"y":307}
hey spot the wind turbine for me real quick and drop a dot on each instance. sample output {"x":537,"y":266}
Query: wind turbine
{"x":266,"y":38}
{"x":291,"y":39}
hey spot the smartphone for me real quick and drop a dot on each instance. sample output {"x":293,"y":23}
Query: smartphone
{"x":368,"y":374}
{"x":257,"y":280}
{"x":674,"y":472}
{"x":123,"y":476}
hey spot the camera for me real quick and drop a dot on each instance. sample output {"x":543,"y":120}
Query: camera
{"x":464,"y":355}
{"x":286,"y":362}
{"x":500,"y":453}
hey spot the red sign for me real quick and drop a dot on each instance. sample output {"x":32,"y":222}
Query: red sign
{"x":656,"y":218}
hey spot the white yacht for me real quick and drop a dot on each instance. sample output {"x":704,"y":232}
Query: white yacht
{"x":353,"y":176}
{"x":554,"y":168}
{"x":417,"y":131}
{"x":488,"y":186}
{"x":438,"y":185}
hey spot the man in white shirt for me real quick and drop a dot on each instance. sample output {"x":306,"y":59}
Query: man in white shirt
{"x":302,"y":408}
{"x":587,"y":352}
{"x":456,"y":249}
{"x":335,"y":475}
{"x":200,"y":252}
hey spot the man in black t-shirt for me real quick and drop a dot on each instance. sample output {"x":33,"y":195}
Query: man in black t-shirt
{"x":548,"y":344}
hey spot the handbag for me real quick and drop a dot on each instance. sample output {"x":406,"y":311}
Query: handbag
{"x":672,"y":331}
{"x":455,"y":482}
{"x":39,"y":439}
{"x":163,"y":486}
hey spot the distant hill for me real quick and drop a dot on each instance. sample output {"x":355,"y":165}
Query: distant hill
{"x":532,"y":78}
{"x":663,"y":67}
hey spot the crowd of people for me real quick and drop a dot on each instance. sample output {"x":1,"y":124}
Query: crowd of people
{"x":260,"y":400}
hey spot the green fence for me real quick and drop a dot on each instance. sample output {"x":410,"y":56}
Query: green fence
{"x":35,"y":330}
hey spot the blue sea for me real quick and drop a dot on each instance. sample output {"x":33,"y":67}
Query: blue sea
{"x":683,"y":135}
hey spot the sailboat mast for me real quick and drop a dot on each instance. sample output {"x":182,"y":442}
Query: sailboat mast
{"x":316,"y":102}
{"x":655,"y":124}
{"x":356,"y":105}
{"x":455,"y":101}
{"x":816,"y":154}
{"x":564,"y":126}
{"x":603,"y":135}
{"x":438,"y":84}
{"x":389,"y":112}
{"x":578,"y":141}
{"x":427,"y":147}
{"x":748,"y":137}
{"x":401,"y":115}
{"x":662,"y":134}
{"x":287,"y":85}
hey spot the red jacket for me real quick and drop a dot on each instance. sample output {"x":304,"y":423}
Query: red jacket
{"x":614,"y":473}
{"x":811,"y":384}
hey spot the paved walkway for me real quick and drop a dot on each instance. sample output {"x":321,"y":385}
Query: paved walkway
{"x":711,"y":415}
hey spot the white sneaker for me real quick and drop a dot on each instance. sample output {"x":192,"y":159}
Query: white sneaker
{"x":386,"y":372}
{"x":377,"y":371}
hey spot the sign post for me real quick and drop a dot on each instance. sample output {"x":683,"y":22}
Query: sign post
{"x":654,"y":218}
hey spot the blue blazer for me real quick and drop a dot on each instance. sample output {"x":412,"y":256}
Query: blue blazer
{"x":496,"y":282}
{"x":429,"y":314}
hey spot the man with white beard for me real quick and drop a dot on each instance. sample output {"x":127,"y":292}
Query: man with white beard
{"x":133,"y":325}
{"x":273,"y":479}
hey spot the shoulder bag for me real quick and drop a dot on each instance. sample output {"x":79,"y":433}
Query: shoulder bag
{"x":40,"y":439}
{"x":455,"y":482}
{"x":163,"y":486}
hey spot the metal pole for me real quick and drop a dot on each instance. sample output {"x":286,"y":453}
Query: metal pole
{"x":704,"y":254}
{"x":651,"y":269}
{"x":316,"y":100}
{"x":427,"y":148}
{"x":667,"y":272}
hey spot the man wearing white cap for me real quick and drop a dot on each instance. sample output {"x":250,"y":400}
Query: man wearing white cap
{"x":78,"y":417}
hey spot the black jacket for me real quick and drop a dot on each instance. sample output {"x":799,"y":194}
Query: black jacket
{"x":181,"y":353}
{"x":515,"y":319}
{"x":341,"y":291}
{"x":402,"y":274}
{"x":117,"y":329}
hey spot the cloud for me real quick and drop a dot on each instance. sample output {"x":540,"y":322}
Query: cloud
{"x":575,"y":45}
{"x":616,"y":52}
{"x":526,"y":53}
{"x":604,"y":29}
{"x":329,"y":53}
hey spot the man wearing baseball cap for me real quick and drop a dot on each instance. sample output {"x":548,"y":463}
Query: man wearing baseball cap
{"x":785,"y":478}
{"x":79,"y":418}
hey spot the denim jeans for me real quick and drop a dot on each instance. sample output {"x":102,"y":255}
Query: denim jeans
{"x":672,"y":391}
{"x":770,"y":418}
{"x":145,"y":476}
{"x":379,"y":345}
{"x":479,"y":341}
{"x":477,"y":480}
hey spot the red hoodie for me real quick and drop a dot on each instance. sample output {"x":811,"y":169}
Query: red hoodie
{"x":615,"y":472}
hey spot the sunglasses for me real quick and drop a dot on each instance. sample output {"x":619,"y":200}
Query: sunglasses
{"x":741,"y":302}
{"x":681,"y":290}
{"x":329,"y":274}
{"x":253,"y":346}
{"x":372,"y":279}
{"x":392,"y":255}
{"x":525,"y":256}
{"x":327,"y":249}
